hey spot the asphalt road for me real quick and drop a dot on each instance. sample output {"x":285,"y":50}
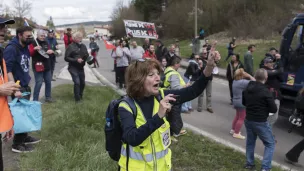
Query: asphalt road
{"x":219,"y":123}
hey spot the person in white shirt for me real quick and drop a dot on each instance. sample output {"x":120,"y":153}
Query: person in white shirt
{"x":136,"y":51}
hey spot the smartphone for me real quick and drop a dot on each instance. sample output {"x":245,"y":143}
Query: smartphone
{"x":177,"y":100}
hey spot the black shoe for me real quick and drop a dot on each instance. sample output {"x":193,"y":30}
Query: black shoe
{"x":22,"y":148}
{"x":31,"y":140}
{"x":50,"y":100}
{"x":249,"y":167}
{"x":292,"y":162}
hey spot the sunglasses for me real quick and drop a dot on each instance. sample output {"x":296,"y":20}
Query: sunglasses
{"x":139,"y":60}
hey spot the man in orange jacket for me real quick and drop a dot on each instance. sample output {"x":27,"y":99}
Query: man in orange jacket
{"x":6,"y":89}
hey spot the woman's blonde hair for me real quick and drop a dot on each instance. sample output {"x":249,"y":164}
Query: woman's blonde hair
{"x":239,"y":74}
{"x":136,"y":75}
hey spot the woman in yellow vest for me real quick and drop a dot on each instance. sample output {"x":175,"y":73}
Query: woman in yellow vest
{"x":148,"y":135}
{"x":174,"y":81}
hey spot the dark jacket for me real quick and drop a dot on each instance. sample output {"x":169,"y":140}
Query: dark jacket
{"x":193,"y":70}
{"x":36,"y":57}
{"x":259,"y":102}
{"x":277,"y":65}
{"x":94,"y":47}
{"x":135,"y":136}
{"x":146,"y":46}
{"x":203,"y":68}
{"x":75,"y":51}
{"x":52,"y":42}
{"x":168,"y":58}
{"x":231,"y":70}
{"x":17,"y":59}
{"x":160,"y":52}
{"x":275,"y":77}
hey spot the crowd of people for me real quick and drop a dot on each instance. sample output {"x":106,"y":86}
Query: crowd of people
{"x":149,"y":74}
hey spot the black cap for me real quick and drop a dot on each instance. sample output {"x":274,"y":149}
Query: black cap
{"x":273,"y":49}
{"x":50,"y":31}
{"x":268,"y":60}
{"x":69,"y":29}
{"x":6,"y":21}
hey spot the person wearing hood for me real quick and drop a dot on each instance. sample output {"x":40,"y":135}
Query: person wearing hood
{"x":259,"y":102}
{"x":76,"y":55}
{"x":234,"y":64}
{"x":161,"y":50}
{"x":17,"y":59}
{"x":42,"y":66}
{"x":54,"y":46}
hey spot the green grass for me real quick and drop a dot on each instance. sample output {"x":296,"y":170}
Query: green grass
{"x":261,"y":49}
{"x":73,"y":139}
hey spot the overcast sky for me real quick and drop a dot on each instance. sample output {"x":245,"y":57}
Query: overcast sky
{"x":70,"y":11}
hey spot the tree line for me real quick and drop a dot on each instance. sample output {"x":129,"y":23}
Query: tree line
{"x":240,"y":18}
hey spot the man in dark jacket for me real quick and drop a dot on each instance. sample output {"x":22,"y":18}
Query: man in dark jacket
{"x":77,"y":54}
{"x":17,"y":58}
{"x":273,"y":83}
{"x":161,"y":50}
{"x":274,"y":54}
{"x":170,"y":54}
{"x":259,"y":103}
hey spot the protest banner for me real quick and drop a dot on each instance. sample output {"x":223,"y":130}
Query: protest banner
{"x":140,"y":29}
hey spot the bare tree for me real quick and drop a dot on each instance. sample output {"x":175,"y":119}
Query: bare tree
{"x":22,"y":8}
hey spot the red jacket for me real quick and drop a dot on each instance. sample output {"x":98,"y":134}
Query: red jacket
{"x":67,"y":40}
{"x":148,"y":55}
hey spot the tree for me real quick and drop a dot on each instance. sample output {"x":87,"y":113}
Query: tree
{"x":150,"y":9}
{"x":50,"y":23}
{"x":22,"y":8}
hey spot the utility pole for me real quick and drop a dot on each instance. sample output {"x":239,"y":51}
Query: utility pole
{"x":195,"y":19}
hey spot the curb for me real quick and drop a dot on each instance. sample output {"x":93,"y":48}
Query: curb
{"x":194,"y":129}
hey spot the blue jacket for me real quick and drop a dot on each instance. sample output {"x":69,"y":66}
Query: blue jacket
{"x":17,"y":60}
{"x":52,"y":42}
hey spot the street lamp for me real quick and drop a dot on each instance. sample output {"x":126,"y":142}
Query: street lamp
{"x":195,"y":18}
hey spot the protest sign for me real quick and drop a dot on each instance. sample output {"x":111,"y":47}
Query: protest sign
{"x":140,"y":29}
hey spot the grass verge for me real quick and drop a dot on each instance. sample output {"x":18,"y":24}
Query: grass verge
{"x":73,"y":139}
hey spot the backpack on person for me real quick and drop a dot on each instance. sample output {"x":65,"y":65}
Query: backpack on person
{"x":162,"y":79}
{"x":113,"y":130}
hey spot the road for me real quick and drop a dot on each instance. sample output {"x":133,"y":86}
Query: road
{"x":219,"y":123}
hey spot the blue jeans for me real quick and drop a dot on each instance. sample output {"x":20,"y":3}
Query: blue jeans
{"x":187,"y":105}
{"x":39,"y":78}
{"x":264,"y":132}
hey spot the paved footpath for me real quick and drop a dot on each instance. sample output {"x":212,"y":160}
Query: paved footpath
{"x":218,"y":124}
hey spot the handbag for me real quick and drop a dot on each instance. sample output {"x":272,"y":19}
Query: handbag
{"x":39,"y":67}
{"x":27,"y":115}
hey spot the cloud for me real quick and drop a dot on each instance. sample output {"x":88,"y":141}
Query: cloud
{"x":67,"y":13}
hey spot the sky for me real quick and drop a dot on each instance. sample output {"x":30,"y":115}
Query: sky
{"x":70,"y":11}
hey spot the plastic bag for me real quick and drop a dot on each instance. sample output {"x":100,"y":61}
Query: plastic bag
{"x":27,"y":115}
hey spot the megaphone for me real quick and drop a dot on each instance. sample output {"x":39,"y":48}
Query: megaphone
{"x":90,"y":60}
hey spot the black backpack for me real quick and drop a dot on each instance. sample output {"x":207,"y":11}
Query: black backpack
{"x":162,"y":79}
{"x":113,"y":130}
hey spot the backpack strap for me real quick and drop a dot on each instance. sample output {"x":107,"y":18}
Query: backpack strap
{"x":132,"y":105}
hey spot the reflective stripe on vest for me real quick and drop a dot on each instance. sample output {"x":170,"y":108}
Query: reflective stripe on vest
{"x":173,"y":72}
{"x":138,"y":156}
